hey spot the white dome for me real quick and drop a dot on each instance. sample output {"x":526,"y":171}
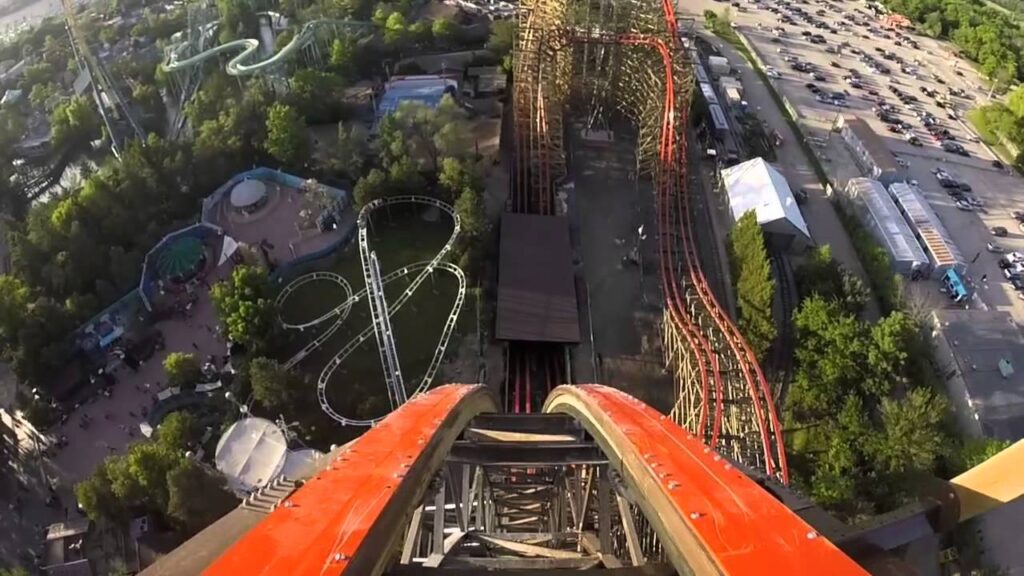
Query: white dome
{"x":251,"y":453}
{"x":248,"y":193}
{"x":298,"y":461}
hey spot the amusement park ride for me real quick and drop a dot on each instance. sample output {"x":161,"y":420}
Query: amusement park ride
{"x":596,"y":481}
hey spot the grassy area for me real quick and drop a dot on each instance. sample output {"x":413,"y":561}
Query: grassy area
{"x":356,"y":388}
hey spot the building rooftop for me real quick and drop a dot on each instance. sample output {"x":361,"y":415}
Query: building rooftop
{"x":872,"y":143}
{"x":428,"y":90}
{"x":893,"y":229}
{"x":987,"y":352}
{"x":758,"y":186}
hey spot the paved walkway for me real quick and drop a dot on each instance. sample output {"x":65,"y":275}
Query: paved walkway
{"x":822,"y":221}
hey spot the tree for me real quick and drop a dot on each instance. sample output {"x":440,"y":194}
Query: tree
{"x":343,"y":53}
{"x":974,"y":451}
{"x":178,"y":431}
{"x":275,"y":387}
{"x":912,"y":436}
{"x":313,"y":92}
{"x":182,"y":369}
{"x":283,"y":39}
{"x":891,"y":341}
{"x":246,"y":307}
{"x":457,"y":175}
{"x":286,"y":135}
{"x":96,"y":495}
{"x":16,"y":571}
{"x":395,"y":29}
{"x":237,"y":20}
{"x":196,"y":497}
{"x":373,"y":186}
{"x":445,"y":32}
{"x":424,"y":135}
{"x":419,"y":33}
{"x":350,"y":151}
{"x":41,"y":93}
{"x":473,"y":219}
{"x":755,"y":285}
{"x":74,"y":122}
{"x":502,"y":38}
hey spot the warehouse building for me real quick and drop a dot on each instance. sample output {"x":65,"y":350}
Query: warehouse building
{"x":933,"y":236}
{"x":880,"y":215}
{"x":756,"y":185}
{"x":869,"y":152}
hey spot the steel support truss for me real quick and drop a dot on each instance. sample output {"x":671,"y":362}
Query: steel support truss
{"x":508,"y":499}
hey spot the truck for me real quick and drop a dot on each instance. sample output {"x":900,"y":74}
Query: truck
{"x":719,"y":65}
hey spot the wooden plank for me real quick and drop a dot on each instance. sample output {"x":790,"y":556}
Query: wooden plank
{"x":527,"y":549}
{"x":412,"y":537}
{"x":511,"y":563}
{"x":588,"y":542}
{"x":505,"y":436}
{"x":632,"y":539}
{"x":435,"y":559}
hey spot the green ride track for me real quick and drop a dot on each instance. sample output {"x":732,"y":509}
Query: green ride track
{"x":242,"y":64}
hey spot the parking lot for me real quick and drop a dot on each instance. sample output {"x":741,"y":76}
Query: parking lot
{"x":912,"y":97}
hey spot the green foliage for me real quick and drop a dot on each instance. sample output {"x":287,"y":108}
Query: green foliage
{"x":343,"y":54}
{"x":821,"y":274}
{"x":41,"y":73}
{"x":502,"y":38}
{"x":425,"y":135}
{"x":197,"y":497}
{"x":245,"y":305}
{"x":974,"y":451}
{"x":912,"y":432}
{"x":445,"y":32}
{"x":858,"y":447}
{"x":283,"y":39}
{"x":179,"y":431}
{"x":74,"y":122}
{"x":41,"y":93}
{"x":314,"y":93}
{"x":237,"y":20}
{"x":286,"y":135}
{"x":458,"y":175}
{"x":983,"y":34}
{"x":396,"y":29}
{"x":16,"y":571}
{"x":373,"y":186}
{"x":470,"y":208}
{"x":275,"y":387}
{"x":350,"y":151}
{"x":182,"y":370}
{"x":755,"y":286}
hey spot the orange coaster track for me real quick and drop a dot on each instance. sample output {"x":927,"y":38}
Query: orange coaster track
{"x":441,"y":484}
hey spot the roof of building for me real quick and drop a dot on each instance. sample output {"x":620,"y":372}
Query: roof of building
{"x":77,"y":568}
{"x":248,"y":192}
{"x":925,"y":222}
{"x":872,"y":143}
{"x":988,"y":351}
{"x":756,"y":185}
{"x":536,"y":287}
{"x":893,"y":230}
{"x":251,"y":453}
{"x":429,"y":90}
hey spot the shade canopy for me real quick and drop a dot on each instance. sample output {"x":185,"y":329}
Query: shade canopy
{"x":181,"y":257}
{"x":248,"y":193}
{"x":251,"y":453}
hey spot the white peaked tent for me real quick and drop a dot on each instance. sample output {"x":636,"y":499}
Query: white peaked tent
{"x":756,"y":185}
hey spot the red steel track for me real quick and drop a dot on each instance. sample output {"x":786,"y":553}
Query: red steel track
{"x":712,"y":342}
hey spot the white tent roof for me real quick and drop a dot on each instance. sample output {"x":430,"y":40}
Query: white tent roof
{"x":756,"y":185}
{"x":248,"y":192}
{"x":251,"y":453}
{"x":299,"y":460}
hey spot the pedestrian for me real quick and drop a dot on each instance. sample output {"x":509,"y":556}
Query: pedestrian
{"x":984,"y":277}
{"x":196,"y":346}
{"x":975,"y":259}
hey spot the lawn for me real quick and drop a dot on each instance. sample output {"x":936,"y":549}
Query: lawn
{"x":356,"y":388}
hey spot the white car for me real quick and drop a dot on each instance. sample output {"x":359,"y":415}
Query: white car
{"x":772,"y":72}
{"x":994,"y":248}
{"x":964,"y":205}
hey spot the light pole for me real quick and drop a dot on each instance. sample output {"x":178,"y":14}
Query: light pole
{"x":242,"y":408}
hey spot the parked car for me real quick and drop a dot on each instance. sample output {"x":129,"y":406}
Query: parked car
{"x":994,"y":248}
{"x":999,"y":231}
{"x":964,"y":205}
{"x":1017,"y":283}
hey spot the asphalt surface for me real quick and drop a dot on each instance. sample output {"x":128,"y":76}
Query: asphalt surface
{"x":931,"y":62}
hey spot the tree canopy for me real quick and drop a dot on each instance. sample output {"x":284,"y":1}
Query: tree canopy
{"x":286,"y":135}
{"x":275,"y":387}
{"x":245,"y":305}
{"x":755,"y":285}
{"x":182,"y":369}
